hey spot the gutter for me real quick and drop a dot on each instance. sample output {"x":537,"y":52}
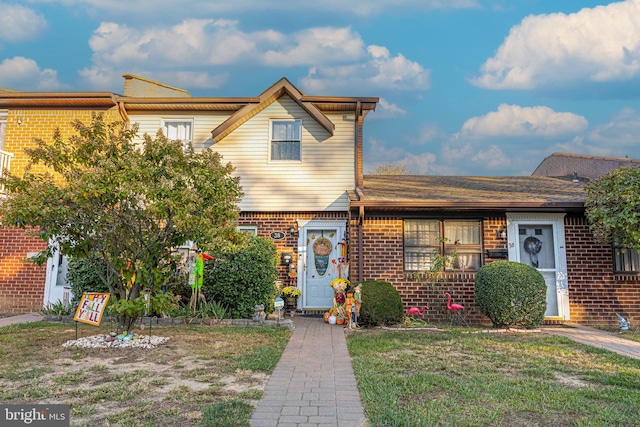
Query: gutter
{"x":360,"y":233}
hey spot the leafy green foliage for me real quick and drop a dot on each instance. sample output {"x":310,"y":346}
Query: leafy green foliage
{"x":511,"y":294}
{"x":381,"y":304}
{"x":242,"y":276}
{"x":123,"y":202}
{"x":84,"y":277}
{"x":57,"y":308}
{"x":613,"y":207}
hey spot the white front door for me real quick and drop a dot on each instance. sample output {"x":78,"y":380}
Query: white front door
{"x":538,"y":240}
{"x":56,"y":287}
{"x":319,"y":250}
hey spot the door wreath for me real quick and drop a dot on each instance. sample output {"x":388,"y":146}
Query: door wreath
{"x":321,"y":251}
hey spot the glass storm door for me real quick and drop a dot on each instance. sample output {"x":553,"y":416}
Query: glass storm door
{"x":320,"y":267}
{"x":536,"y":246}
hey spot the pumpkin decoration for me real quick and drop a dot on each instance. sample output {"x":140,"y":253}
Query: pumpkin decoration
{"x":332,"y":320}
{"x":326,"y":317}
{"x":339,"y":320}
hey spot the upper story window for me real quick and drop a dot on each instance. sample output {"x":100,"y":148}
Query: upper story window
{"x":178,"y":129}
{"x":286,"y":140}
{"x":424,"y":239}
{"x":625,"y":260}
{"x":3,"y":128}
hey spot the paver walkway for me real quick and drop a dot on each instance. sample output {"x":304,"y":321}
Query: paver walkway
{"x":21,"y":318}
{"x":313,"y":384}
{"x":596,"y":338}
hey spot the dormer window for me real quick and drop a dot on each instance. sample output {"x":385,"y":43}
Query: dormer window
{"x":286,"y":140}
{"x":178,"y":129}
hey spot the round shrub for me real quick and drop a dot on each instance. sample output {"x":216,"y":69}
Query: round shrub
{"x":511,"y":294}
{"x":83,"y":276}
{"x":381,"y":304}
{"x":242,"y":276}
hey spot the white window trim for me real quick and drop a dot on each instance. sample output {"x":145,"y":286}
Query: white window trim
{"x":285,"y":119}
{"x":250,"y":228}
{"x":166,"y":120}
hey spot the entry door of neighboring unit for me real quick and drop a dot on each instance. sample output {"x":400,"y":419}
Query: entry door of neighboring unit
{"x":538,"y":240}
{"x":537,"y":248}
{"x":320,"y":266}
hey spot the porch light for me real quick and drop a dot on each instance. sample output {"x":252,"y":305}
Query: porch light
{"x":502,"y":234}
{"x":292,"y":230}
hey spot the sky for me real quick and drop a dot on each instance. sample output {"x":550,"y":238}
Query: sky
{"x":466,"y":87}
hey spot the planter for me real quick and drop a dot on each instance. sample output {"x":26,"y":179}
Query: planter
{"x":292,"y":303}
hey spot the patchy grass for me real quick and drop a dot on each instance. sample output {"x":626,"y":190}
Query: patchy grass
{"x":202,"y":375}
{"x":455,"y":379}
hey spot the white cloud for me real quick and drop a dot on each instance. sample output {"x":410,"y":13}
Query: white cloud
{"x":317,"y":45}
{"x":621,"y":132}
{"x":19,"y":23}
{"x":594,"y":45}
{"x":20,"y":73}
{"x":337,"y":57}
{"x":381,"y":71}
{"x":387,"y":110}
{"x":517,"y":121}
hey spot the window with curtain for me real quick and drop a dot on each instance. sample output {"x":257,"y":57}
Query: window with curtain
{"x":286,"y":140}
{"x":423,"y":239}
{"x":625,"y":260}
{"x":180,"y":130}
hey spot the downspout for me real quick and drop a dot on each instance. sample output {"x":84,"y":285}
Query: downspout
{"x":123,"y":113}
{"x":360,"y":234}
{"x":359,"y":183}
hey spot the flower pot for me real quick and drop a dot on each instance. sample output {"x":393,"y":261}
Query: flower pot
{"x":292,"y":303}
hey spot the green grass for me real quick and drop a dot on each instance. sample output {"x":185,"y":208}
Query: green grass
{"x":191,"y":379}
{"x":456,"y":379}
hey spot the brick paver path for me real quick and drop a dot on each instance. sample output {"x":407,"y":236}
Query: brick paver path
{"x":313,"y":384}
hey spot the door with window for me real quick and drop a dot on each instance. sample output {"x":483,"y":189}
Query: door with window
{"x":540,"y":244}
{"x":320,"y":250}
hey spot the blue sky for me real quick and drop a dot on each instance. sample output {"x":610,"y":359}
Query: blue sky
{"x":467,"y":87}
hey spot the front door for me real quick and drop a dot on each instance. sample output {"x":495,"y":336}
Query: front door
{"x":538,"y":241}
{"x":320,"y":249}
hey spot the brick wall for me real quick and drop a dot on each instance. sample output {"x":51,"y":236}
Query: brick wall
{"x":268,"y":222}
{"x":21,"y":281}
{"x":383,"y":259}
{"x":41,"y":124}
{"x":595,"y":292}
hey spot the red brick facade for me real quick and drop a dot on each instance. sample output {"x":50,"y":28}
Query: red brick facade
{"x":595,"y":292}
{"x":21,"y":281}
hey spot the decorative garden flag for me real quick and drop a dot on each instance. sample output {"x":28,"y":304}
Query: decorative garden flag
{"x":91,"y":307}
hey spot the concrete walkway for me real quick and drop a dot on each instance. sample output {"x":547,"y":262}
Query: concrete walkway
{"x":20,"y":318}
{"x":313,"y":384}
{"x":596,"y":338}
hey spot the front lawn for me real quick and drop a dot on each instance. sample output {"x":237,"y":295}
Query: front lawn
{"x":203,"y":376}
{"x":422,"y":378}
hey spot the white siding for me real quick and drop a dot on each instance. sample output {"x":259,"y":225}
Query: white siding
{"x":319,"y":182}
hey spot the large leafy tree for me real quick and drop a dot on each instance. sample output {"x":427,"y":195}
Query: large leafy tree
{"x":125,"y":204}
{"x":613,"y":207}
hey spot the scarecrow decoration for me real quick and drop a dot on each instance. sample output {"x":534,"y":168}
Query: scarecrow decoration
{"x":196,"y":276}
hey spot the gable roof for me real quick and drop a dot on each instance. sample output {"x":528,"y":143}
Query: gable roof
{"x":592,"y":167}
{"x":266,"y":98}
{"x":393,"y":192}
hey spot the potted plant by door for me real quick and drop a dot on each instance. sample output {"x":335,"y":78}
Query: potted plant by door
{"x":291,"y":295}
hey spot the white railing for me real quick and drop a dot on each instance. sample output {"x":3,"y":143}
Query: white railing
{"x":5,"y":162}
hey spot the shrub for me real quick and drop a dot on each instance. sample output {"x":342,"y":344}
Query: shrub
{"x":83,"y":277}
{"x":511,"y":294}
{"x":381,"y":304}
{"x":242,"y":276}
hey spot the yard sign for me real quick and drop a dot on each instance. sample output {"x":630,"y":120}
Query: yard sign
{"x":91,"y":307}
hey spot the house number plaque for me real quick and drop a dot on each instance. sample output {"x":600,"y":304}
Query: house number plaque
{"x":277,"y":235}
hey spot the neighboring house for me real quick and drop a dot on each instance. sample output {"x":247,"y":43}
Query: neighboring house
{"x":300,"y":160}
{"x":397,"y":220}
{"x":590,"y":167}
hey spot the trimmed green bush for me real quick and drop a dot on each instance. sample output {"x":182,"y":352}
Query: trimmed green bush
{"x":83,"y":277}
{"x":242,"y":276}
{"x":511,"y":294}
{"x":381,"y":304}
